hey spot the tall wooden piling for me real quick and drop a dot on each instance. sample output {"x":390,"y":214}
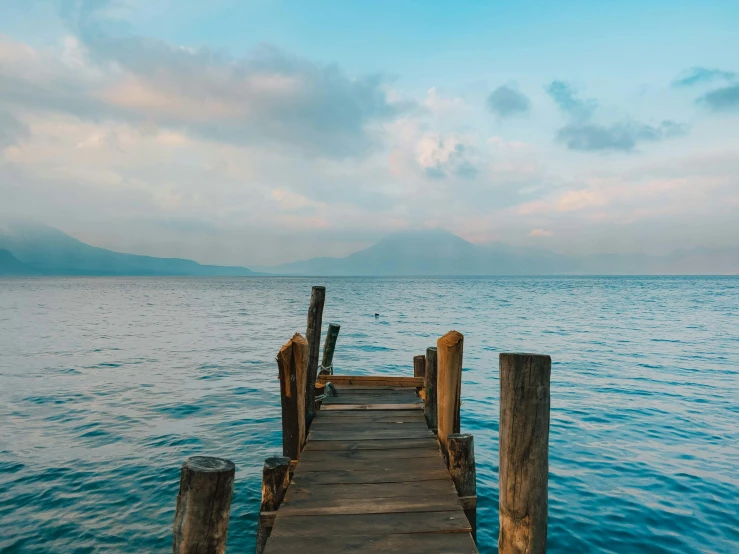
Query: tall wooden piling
{"x":419,"y":365}
{"x":292,"y":361}
{"x":203,"y":506}
{"x":524,"y":452}
{"x":429,"y":385}
{"x":275,"y":480}
{"x":461,"y":449}
{"x":327,"y":367}
{"x":313,"y":335}
{"x":449,"y":382}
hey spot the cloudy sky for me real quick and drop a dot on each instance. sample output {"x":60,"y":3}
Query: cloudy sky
{"x":258,"y":131}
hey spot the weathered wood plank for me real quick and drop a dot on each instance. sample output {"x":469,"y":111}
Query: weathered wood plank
{"x":366,"y":416}
{"x":397,"y":475}
{"x":377,"y":464}
{"x":375,"y":444}
{"x":385,"y":413}
{"x":370,"y":456}
{"x":349,"y":491}
{"x":421,"y":543}
{"x":452,"y":521}
{"x":356,"y":407}
{"x":356,"y":435}
{"x":398,"y":504}
{"x":372,"y":380}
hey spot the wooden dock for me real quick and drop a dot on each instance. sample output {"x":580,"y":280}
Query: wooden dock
{"x":371,"y":478}
{"x":377,"y":463}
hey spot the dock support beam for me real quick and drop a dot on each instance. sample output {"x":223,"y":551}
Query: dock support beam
{"x":524,"y":452}
{"x":419,"y":365}
{"x":462,"y":469}
{"x":275,"y":480}
{"x":292,"y":361}
{"x":203,"y":506}
{"x":449,"y":379}
{"x":429,"y":383}
{"x":313,"y":336}
{"x":327,"y":363}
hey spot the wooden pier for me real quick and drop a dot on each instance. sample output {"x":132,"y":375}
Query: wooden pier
{"x":377,"y":463}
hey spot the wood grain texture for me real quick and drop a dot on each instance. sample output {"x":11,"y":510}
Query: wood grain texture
{"x":449,"y":381}
{"x":275,"y":481}
{"x":370,"y":474}
{"x":430,"y":389}
{"x":420,"y":543}
{"x":292,"y":360}
{"x":373,"y":380}
{"x":461,"y":457}
{"x":524,"y":452}
{"x":419,"y":366}
{"x":452,"y":521}
{"x":332,"y":334}
{"x":203,"y":506}
{"x":313,"y":336}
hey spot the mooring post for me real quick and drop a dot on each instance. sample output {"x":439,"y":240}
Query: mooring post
{"x":275,"y":480}
{"x":449,"y":382}
{"x":327,"y":367}
{"x":203,"y":506}
{"x":419,"y":365}
{"x":313,"y":335}
{"x":429,"y":382}
{"x":462,"y":469}
{"x":524,"y":452}
{"x":292,"y":361}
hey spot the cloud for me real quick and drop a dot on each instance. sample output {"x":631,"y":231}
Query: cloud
{"x":540,"y":233}
{"x":507,"y":101}
{"x":699,"y":75}
{"x":583,"y":134}
{"x":442,"y":155}
{"x":622,"y":136}
{"x":722,"y":99}
{"x":11,"y":130}
{"x":564,"y":95}
{"x":266,"y":97}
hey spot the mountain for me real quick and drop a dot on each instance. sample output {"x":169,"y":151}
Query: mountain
{"x":10,"y":265}
{"x":45,"y":250}
{"x":438,"y":252}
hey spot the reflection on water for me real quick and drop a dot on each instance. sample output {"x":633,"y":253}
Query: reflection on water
{"x":107,"y":385}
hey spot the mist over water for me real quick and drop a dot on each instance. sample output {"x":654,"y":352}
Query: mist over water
{"x":108,"y":384}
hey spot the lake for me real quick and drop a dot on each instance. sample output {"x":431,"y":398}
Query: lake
{"x":108,"y":384}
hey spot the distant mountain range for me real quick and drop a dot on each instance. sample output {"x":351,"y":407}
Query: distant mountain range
{"x":30,"y":249}
{"x":438,"y":252}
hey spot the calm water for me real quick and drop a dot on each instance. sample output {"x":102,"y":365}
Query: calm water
{"x":107,"y":385}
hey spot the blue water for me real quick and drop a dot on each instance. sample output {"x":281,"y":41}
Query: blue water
{"x":108,"y":385}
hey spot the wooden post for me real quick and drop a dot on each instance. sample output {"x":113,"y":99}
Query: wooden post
{"x":524,"y":452}
{"x":275,"y":480}
{"x":313,"y":335}
{"x":429,"y":382}
{"x":419,"y":365}
{"x":449,"y":379}
{"x":203,"y":506}
{"x":328,"y":349}
{"x":463,"y":472}
{"x":292,"y":361}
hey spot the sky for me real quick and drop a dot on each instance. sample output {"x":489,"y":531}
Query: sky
{"x":257,"y":132}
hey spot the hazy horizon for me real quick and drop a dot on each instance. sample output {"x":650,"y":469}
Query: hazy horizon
{"x":258,"y":133}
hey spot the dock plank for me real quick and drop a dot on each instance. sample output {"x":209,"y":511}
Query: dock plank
{"x":452,"y":521}
{"x":425,"y":543}
{"x":371,"y":479}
